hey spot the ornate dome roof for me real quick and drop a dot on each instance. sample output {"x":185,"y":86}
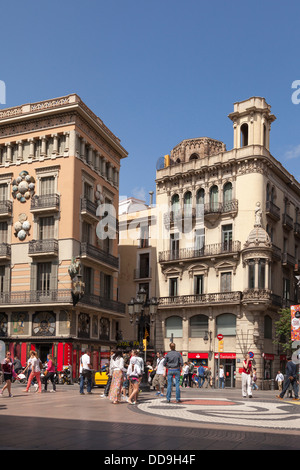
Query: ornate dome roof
{"x":258,"y":237}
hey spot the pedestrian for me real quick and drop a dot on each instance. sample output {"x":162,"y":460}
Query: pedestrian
{"x":116,"y":370}
{"x":185,"y":372}
{"x":174,"y":363}
{"x":7,"y":367}
{"x":221,"y":377}
{"x":159,"y":378}
{"x":207,"y":375}
{"x":125,"y":386}
{"x":253,"y":380}
{"x":279,"y":379}
{"x":291,"y":378}
{"x":201,"y":377}
{"x":85,"y":372}
{"x":35,"y":364}
{"x":134,"y":373}
{"x":50,"y":373}
{"x":109,"y":377}
{"x":246,"y":377}
{"x":191,"y":373}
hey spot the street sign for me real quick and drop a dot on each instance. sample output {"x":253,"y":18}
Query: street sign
{"x":220,"y":337}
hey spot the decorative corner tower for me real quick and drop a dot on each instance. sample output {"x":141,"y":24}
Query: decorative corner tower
{"x":252,"y":121}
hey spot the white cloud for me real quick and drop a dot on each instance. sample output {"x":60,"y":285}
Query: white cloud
{"x":294,"y":152}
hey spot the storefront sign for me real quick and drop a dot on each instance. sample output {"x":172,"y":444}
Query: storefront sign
{"x":268,"y":357}
{"x":225,"y":356}
{"x":295,"y":322}
{"x":198,"y":355}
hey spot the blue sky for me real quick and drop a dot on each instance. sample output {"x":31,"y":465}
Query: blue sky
{"x":158,"y":72}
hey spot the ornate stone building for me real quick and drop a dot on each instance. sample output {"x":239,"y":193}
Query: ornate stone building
{"x":228,"y":249}
{"x":58,"y":164}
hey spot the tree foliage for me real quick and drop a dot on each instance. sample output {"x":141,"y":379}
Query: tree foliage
{"x":283,"y":330}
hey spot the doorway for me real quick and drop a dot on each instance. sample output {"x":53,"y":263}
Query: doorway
{"x":43,"y":349}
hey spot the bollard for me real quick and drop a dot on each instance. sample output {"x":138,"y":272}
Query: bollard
{"x":272,"y":384}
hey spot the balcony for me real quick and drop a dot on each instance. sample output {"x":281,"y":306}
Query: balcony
{"x":287,"y":222}
{"x":257,"y":296}
{"x":216,"y":249}
{"x":45,"y":203}
{"x":95,"y":254}
{"x":288,"y":260}
{"x":5,"y":209}
{"x":38,"y":248}
{"x":201,"y":299}
{"x":102,"y":303}
{"x":297,"y":230}
{"x":88,"y":210}
{"x":22,"y":298}
{"x":272,"y":210}
{"x":5,"y":251}
{"x":212,"y":211}
{"x":59,"y":296}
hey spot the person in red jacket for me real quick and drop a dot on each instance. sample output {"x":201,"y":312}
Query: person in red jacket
{"x":246,"y":377}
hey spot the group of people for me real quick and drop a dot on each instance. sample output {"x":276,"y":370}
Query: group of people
{"x":12,"y":368}
{"x":200,"y":378}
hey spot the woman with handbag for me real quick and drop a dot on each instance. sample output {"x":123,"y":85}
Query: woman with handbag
{"x":50,"y":373}
{"x":8,"y":372}
{"x":116,"y":370}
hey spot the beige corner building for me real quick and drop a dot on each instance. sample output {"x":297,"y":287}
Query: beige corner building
{"x":58,"y":164}
{"x":223,"y":247}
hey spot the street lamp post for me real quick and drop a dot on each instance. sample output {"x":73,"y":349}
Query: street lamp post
{"x":136,"y":310}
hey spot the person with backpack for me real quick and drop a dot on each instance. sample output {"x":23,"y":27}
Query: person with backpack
{"x":191,"y":373}
{"x":50,"y":373}
{"x":35,"y":364}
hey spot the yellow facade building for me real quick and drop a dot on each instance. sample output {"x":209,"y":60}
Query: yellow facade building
{"x":58,"y":164}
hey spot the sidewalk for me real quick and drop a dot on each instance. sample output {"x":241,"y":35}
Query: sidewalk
{"x":67,"y":421}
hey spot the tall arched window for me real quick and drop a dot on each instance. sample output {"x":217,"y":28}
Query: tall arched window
{"x":244,"y":135}
{"x":173,"y":326}
{"x":214,"y":198}
{"x":226,"y":324}
{"x":198,"y":326}
{"x":187,"y":201}
{"x":175,"y":203}
{"x":227,"y":193}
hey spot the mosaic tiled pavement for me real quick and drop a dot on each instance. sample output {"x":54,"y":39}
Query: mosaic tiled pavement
{"x":275,"y":414}
{"x":212,"y":420}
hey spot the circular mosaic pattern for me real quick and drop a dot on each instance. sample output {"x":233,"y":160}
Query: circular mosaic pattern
{"x":271,"y":414}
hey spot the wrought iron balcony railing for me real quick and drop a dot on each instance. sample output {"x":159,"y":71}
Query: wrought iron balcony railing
{"x":207,"y":250}
{"x":59,"y":296}
{"x":43,"y":247}
{"x":90,"y":251}
{"x":45,"y":202}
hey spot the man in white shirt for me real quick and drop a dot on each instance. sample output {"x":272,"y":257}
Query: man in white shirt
{"x":85,"y":372}
{"x":159,"y":378}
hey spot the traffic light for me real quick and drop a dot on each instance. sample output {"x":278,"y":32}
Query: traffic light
{"x":221,"y":346}
{"x":145,"y":344}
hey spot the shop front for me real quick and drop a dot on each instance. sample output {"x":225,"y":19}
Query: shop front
{"x":268,"y":361}
{"x":228,"y":361}
{"x":198,"y":359}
